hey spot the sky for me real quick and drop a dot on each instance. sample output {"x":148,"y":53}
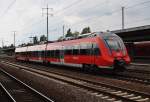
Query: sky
{"x":27,"y":18}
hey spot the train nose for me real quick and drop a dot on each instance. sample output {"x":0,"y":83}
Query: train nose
{"x":117,"y":53}
{"x":119,"y":64}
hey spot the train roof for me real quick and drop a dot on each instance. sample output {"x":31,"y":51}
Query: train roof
{"x":21,"y":49}
{"x":37,"y":47}
{"x":87,"y":35}
{"x":57,"y":44}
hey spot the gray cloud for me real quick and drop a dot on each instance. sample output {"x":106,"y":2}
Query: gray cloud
{"x":25,"y":16}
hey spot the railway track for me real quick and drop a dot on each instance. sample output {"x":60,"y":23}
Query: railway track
{"x":103,"y":90}
{"x":139,"y":71}
{"x":132,"y":78}
{"x":125,"y":76}
{"x":14,"y":90}
{"x":128,"y":76}
{"x":4,"y":96}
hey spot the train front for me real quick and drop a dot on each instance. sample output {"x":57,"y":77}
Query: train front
{"x":116,"y":51}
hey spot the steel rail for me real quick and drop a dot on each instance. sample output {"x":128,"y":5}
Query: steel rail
{"x":80,"y":85}
{"x":27,"y":86}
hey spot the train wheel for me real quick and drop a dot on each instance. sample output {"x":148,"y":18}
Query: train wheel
{"x":85,"y":67}
{"x":119,"y":68}
{"x":89,"y":68}
{"x":94,"y":68}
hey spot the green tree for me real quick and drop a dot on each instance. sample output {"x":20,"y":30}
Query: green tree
{"x":69,"y":33}
{"x":86,"y":30}
{"x":76,"y":33}
{"x":43,"y":38}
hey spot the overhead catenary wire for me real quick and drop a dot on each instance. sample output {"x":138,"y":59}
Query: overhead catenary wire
{"x":128,"y":7}
{"x":87,"y":19}
{"x":74,"y":4}
{"x":8,"y":8}
{"x":137,"y":4}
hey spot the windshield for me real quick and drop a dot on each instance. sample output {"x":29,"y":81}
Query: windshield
{"x":113,"y":44}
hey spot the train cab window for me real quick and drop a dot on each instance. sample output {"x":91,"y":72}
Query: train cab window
{"x":113,"y":44}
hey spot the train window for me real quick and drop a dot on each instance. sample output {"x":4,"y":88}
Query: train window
{"x":28,"y":54}
{"x":113,"y":44}
{"x":96,"y":50}
{"x":68,"y":50}
{"x":23,"y":53}
{"x":48,"y":53}
{"x":43,"y":53}
{"x":89,"y":49}
{"x":65,"y":50}
{"x":33,"y":53}
{"x":36,"y":53}
{"x":61,"y":53}
{"x":85,"y":49}
{"x":89,"y":46}
{"x":57,"y":54}
{"x":76,"y":50}
{"x":83,"y":46}
{"x":40,"y":53}
{"x":52,"y":53}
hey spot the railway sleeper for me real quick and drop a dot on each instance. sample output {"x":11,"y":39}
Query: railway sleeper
{"x":143,"y":100}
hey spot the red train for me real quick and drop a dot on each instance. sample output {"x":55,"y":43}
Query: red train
{"x":99,"y":49}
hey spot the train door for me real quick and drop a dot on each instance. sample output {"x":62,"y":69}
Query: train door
{"x":61,"y":56}
{"x":45,"y":54}
{"x":95,"y":53}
